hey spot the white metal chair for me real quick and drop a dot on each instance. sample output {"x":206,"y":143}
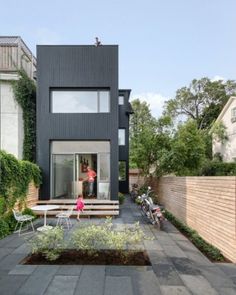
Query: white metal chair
{"x":64,"y":217}
{"x":20,"y":218}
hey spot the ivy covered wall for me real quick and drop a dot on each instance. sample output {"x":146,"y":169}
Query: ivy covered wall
{"x":25,"y":94}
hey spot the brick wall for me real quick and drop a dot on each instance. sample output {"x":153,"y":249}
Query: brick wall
{"x":206,"y":204}
{"x":32,"y":197}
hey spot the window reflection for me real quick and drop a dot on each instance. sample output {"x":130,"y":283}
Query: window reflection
{"x":70,"y":101}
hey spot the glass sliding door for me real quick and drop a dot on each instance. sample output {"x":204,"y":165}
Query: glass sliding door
{"x":69,"y":162}
{"x":104,"y":176}
{"x":63,"y":176}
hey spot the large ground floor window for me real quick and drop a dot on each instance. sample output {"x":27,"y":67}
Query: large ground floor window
{"x":80,"y":168}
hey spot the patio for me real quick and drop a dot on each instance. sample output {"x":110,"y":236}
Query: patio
{"x":177,"y":267}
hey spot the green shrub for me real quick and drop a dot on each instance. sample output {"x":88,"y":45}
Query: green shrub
{"x":138,"y":201}
{"x":217,"y":168}
{"x":10,"y":220}
{"x":121,"y":198}
{"x":28,"y":211}
{"x":209,"y":250}
{"x":50,"y":243}
{"x":15,"y":178}
{"x":95,"y":237}
{"x":4,"y":228}
{"x":2,"y":206}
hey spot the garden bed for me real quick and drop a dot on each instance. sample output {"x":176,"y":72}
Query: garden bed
{"x":100,"y":257}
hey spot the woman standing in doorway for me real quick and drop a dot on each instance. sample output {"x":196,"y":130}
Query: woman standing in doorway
{"x":91,"y":174}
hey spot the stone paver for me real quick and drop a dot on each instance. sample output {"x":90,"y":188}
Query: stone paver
{"x":63,"y":285}
{"x":118,"y":286}
{"x":177,"y":267}
{"x":198,"y":285}
{"x":174,"y":290}
{"x":91,"y":281}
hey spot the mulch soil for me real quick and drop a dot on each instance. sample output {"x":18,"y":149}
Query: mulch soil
{"x":101,"y":257}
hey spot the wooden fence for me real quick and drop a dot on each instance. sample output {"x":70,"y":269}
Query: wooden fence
{"x":206,"y":204}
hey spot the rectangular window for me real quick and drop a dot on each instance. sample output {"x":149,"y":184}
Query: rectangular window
{"x":233,"y":115}
{"x":121,"y":136}
{"x":122,"y":170}
{"x":121,"y":100}
{"x":80,"y":101}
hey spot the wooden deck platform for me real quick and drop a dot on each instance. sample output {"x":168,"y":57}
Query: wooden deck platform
{"x":93,"y":207}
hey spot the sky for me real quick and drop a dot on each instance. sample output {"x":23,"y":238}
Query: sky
{"x":163,"y":44}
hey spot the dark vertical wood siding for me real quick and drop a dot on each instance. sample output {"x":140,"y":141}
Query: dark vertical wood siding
{"x":76,"y":67}
{"x":124,"y":150}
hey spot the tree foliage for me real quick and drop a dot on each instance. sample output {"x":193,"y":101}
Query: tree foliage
{"x":142,"y":137}
{"x":186,"y":153}
{"x":202,"y":101}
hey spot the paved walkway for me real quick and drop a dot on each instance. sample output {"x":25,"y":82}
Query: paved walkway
{"x":177,"y":268}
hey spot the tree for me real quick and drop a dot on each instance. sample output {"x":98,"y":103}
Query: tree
{"x":187,"y":151}
{"x":202,"y":101}
{"x":142,"y":137}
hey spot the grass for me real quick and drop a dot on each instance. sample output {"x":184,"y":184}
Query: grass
{"x":207,"y":249}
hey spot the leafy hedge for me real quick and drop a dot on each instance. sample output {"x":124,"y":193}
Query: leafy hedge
{"x":15,"y":178}
{"x":209,"y":250}
{"x":217,"y":168}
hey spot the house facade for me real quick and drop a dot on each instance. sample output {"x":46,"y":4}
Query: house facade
{"x":82,"y":121}
{"x":14,"y":55}
{"x":227,"y":149}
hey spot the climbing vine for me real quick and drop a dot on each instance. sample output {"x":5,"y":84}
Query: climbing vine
{"x":15,"y":176}
{"x":25,"y":94}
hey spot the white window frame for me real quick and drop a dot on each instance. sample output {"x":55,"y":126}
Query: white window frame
{"x":121,"y":136}
{"x":121,"y":100}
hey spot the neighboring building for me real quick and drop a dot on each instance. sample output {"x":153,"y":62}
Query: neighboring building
{"x":14,"y":54}
{"x":228,"y":118}
{"x":82,"y":119}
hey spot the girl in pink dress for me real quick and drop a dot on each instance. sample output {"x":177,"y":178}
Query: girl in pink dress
{"x":79,"y":206}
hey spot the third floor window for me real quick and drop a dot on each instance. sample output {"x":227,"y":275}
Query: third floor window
{"x":80,"y":101}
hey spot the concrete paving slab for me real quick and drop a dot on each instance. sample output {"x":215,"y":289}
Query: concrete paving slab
{"x":23,"y":270}
{"x":10,"y":285}
{"x":91,"y":281}
{"x":152,"y":245}
{"x":216,"y":277}
{"x":63,"y":285}
{"x":118,"y":286}
{"x":185,"y":266}
{"x":198,"y":258}
{"x":174,"y":251}
{"x":69,"y":270}
{"x":4,"y":252}
{"x":198,"y":285}
{"x":10,"y":261}
{"x":157,"y":257}
{"x":146,"y":283}
{"x":174,"y":290}
{"x":118,"y":270}
{"x":228,"y":268}
{"x":167,"y":275}
{"x":178,"y":237}
{"x":37,"y":283}
{"x":227,"y":291}
{"x":23,"y":249}
{"x":187,"y":246}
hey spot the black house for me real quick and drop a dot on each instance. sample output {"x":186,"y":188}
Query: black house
{"x":82,"y":121}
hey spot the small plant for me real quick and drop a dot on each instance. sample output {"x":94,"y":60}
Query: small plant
{"x":96,"y":237}
{"x":121,"y":198}
{"x":4,"y":228}
{"x":50,"y":243}
{"x":209,"y":250}
{"x":138,"y":201}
